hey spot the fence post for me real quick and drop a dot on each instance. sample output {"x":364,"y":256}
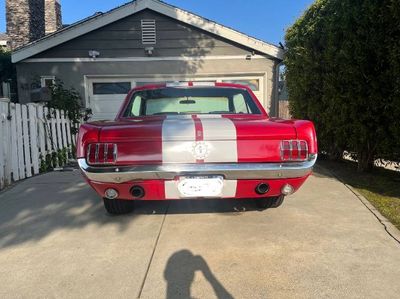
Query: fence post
{"x":21,"y":163}
{"x":14,"y":143}
{"x":69,"y":140}
{"x":53,"y":130}
{"x":63,"y":129}
{"x":33,"y":132}
{"x":7,"y":149}
{"x":25,"y":133}
{"x":2,"y":143}
{"x":41,"y":131}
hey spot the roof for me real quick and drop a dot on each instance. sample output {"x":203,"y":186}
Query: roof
{"x":99,"y":20}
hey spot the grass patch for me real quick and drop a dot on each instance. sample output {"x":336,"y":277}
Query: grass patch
{"x":381,"y":186}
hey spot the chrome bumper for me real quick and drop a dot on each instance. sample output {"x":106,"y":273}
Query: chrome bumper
{"x":230,"y":171}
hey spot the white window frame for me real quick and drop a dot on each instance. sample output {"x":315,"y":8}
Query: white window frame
{"x":44,"y":78}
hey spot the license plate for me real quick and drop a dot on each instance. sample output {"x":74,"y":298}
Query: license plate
{"x":204,"y":186}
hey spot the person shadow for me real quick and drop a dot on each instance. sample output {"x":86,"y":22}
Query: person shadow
{"x":179,"y":274}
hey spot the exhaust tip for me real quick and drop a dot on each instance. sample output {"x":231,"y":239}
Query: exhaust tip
{"x":137,"y":192}
{"x":262,"y":188}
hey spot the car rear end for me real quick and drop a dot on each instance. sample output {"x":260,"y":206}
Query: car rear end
{"x":191,"y":141}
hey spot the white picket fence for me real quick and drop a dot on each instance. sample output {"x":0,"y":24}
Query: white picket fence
{"x":29,"y":133}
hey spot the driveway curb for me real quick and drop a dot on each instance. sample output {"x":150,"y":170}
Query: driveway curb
{"x":389,"y":227}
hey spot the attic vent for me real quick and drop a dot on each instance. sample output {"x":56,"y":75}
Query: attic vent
{"x":148,"y":32}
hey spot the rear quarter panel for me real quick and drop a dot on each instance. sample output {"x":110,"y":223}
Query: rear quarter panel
{"x":306,"y":131}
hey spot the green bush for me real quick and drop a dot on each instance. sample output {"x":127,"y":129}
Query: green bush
{"x":68,"y":100}
{"x":343,"y":73}
{"x":8,"y":72}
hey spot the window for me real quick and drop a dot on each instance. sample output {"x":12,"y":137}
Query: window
{"x":111,"y":88}
{"x":187,"y":105}
{"x":139,"y":84}
{"x":137,"y":103}
{"x":254,"y":84}
{"x":47,"y":81}
{"x":240,"y":105}
{"x":201,"y":100}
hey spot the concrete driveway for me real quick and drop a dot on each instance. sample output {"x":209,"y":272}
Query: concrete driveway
{"x":57,"y":241}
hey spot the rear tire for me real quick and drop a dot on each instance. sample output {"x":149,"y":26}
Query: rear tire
{"x":118,"y":206}
{"x":269,"y":202}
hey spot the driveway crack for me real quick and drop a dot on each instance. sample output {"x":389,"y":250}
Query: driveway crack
{"x":153,"y":252}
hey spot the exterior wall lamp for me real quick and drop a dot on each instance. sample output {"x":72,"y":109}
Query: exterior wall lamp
{"x":94,"y":54}
{"x":149,"y":51}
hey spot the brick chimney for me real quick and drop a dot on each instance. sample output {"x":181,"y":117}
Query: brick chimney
{"x":53,"y":15}
{"x":25,"y":21}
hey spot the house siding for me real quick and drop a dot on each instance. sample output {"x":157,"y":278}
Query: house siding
{"x":123,"y":39}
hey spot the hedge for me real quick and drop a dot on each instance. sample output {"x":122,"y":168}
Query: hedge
{"x":343,"y":73}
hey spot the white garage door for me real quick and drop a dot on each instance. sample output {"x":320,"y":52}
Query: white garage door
{"x":105,"y":95}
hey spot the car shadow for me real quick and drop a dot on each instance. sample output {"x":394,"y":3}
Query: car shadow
{"x":195,"y":206}
{"x":34,"y":208}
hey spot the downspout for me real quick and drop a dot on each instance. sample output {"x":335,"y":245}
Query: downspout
{"x":276,"y":93}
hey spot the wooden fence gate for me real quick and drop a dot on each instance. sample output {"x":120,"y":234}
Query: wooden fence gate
{"x":31,"y":138}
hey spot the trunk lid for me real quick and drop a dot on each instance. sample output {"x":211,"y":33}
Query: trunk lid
{"x":197,"y":139}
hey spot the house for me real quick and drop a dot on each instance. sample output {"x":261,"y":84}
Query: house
{"x":141,"y":42}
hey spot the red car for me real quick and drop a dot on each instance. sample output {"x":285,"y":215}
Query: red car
{"x":195,"y":140}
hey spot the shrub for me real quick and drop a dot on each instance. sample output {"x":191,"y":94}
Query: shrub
{"x":8,"y":72}
{"x":68,"y":100}
{"x":343,"y":72}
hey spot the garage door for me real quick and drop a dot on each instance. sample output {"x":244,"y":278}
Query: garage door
{"x":105,"y":95}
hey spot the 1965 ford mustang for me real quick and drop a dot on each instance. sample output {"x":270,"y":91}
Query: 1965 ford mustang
{"x":195,"y":140}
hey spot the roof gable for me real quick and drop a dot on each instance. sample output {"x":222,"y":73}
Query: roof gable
{"x":122,"y":39}
{"x":101,"y":20}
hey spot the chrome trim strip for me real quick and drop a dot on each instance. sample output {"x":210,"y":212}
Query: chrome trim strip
{"x":230,"y":171}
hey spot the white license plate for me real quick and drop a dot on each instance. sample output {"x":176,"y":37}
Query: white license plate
{"x":208,"y":186}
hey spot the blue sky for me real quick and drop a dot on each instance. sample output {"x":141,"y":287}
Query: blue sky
{"x":263,"y":19}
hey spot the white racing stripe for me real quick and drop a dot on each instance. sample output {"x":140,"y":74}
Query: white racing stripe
{"x":220,"y":134}
{"x":178,"y":139}
{"x":178,"y":135}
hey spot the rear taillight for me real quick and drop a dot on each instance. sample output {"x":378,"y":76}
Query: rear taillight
{"x":294,"y":150}
{"x":101,"y":153}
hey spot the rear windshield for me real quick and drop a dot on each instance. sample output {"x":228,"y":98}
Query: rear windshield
{"x":201,"y":100}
